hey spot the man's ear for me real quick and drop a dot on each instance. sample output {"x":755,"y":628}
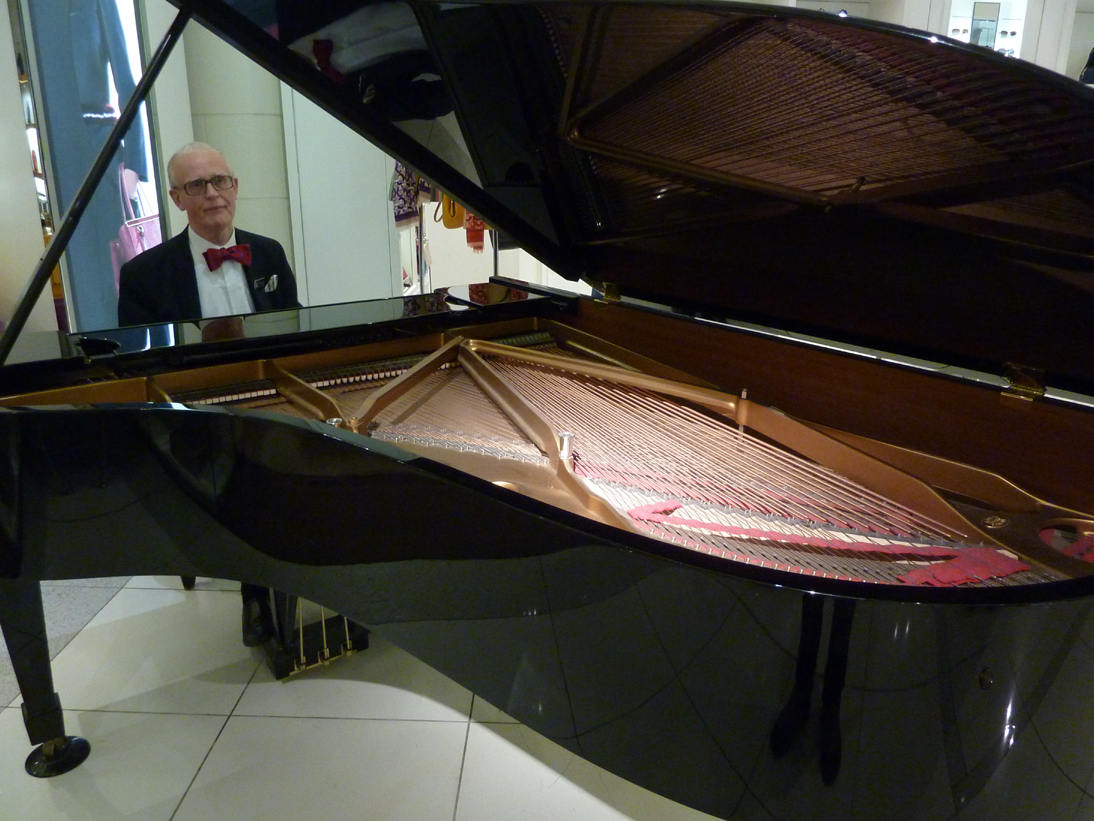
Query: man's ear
{"x":176,"y":198}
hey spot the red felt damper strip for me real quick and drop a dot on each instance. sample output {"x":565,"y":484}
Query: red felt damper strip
{"x":658,"y":512}
{"x":973,"y":564}
{"x":1082,"y":549}
{"x":965,"y":566}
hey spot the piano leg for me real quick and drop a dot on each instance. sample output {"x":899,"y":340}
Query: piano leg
{"x":24,"y":626}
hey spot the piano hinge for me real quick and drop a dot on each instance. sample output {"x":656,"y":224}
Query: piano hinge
{"x":91,"y":347}
{"x":1024,"y":382}
{"x":608,"y":291}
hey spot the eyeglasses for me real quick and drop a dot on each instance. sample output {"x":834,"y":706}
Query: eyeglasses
{"x":221,"y":182}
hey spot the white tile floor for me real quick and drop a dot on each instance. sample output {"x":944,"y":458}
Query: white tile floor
{"x":187,"y":724}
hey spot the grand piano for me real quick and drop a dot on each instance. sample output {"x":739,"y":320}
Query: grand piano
{"x":800,"y":502}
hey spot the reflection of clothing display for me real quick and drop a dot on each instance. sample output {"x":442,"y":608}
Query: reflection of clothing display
{"x":408,"y":192}
{"x":160,"y":284}
{"x":377,"y":50}
{"x":99,"y":52}
{"x":475,"y":229}
{"x":402,"y":87}
{"x":79,"y":46}
{"x":141,"y":229}
{"x":491,"y":293}
{"x":299,"y":18}
{"x":361,"y":33}
{"x":453,"y":215}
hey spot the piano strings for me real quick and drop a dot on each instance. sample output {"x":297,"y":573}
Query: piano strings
{"x":730,"y":493}
{"x":678,"y":463}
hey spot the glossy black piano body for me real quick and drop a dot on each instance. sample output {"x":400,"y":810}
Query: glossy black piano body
{"x":665,"y":665}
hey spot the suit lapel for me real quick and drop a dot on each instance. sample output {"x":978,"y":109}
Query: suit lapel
{"x":257,"y":272}
{"x":183,"y":279}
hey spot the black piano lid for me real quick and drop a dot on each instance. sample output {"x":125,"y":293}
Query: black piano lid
{"x":851,"y":180}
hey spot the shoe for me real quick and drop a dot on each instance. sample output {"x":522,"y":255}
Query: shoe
{"x":257,"y":622}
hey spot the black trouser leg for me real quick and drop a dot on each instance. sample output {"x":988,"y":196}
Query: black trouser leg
{"x":253,"y":592}
{"x":809,"y":642}
{"x":258,"y":624}
{"x":796,"y":711}
{"x":835,"y":675}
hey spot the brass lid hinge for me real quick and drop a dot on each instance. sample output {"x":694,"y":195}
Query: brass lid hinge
{"x":608,"y":291}
{"x":1024,"y":382}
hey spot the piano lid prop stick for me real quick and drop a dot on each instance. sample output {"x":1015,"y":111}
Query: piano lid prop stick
{"x":347,"y":646}
{"x":325,"y":657}
{"x":303,"y":662}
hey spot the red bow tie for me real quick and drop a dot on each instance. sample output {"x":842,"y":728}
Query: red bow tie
{"x":214,"y":257}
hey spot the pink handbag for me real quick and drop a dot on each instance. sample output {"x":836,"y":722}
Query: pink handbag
{"x":137,"y":234}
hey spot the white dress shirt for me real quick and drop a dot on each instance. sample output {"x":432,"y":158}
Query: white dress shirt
{"x":223,"y":292}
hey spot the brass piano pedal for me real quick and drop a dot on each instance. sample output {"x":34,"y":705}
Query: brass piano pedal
{"x":314,"y":644}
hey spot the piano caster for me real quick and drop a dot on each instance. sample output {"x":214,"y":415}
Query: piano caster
{"x":57,"y":756}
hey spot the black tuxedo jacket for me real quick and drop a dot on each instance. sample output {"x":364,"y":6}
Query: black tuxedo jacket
{"x":160,"y":285}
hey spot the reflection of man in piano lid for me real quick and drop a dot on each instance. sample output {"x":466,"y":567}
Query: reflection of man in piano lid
{"x":212,"y":269}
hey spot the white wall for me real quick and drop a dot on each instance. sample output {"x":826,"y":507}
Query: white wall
{"x":926,"y":15}
{"x":891,"y":11}
{"x":343,"y":222}
{"x":168,"y":102}
{"x":21,"y":241}
{"x":1012,"y":17}
{"x":1082,"y":41}
{"x":235,"y":106}
{"x":1048,"y":33}
{"x":453,"y":262}
{"x":517,"y":264}
{"x":854,"y":8}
